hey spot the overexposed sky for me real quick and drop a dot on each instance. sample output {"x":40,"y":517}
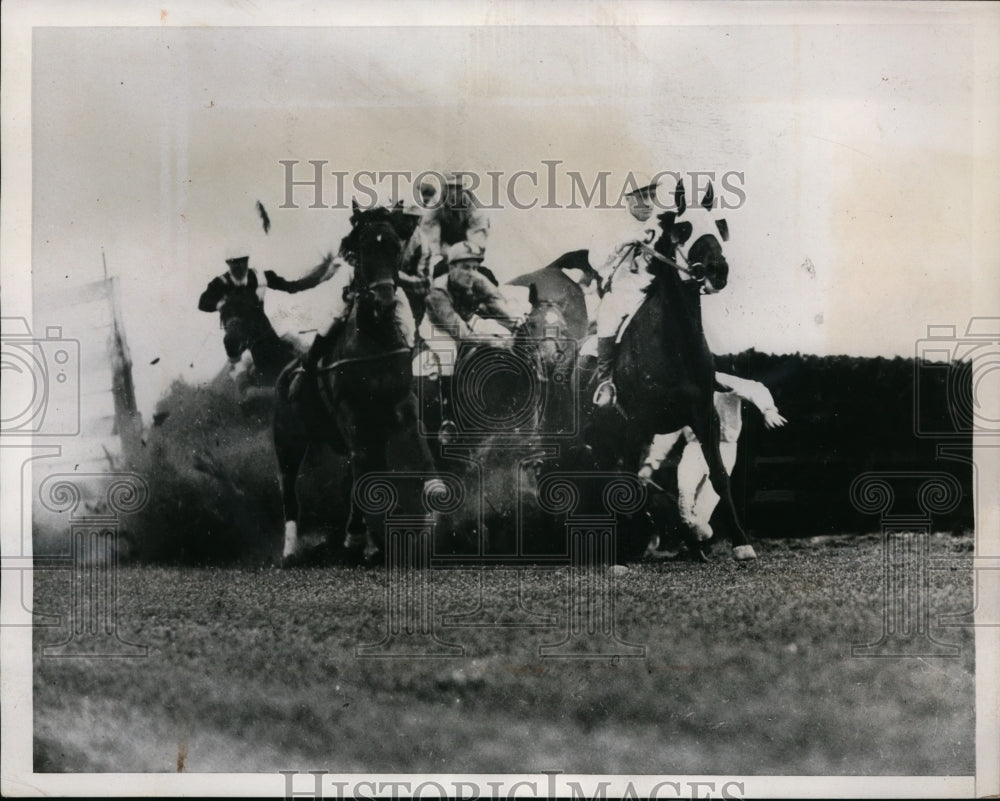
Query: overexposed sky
{"x":869,"y":213}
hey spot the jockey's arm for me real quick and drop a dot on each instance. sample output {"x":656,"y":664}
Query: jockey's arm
{"x":323,"y":271}
{"x":213,"y":296}
{"x":756,"y":393}
{"x":478,"y":230}
{"x":441,"y":313}
{"x":606,"y":257}
{"x":430,"y":242}
{"x":492,"y":301}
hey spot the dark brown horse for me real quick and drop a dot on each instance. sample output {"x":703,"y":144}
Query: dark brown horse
{"x":363,"y":394}
{"x":664,"y":371}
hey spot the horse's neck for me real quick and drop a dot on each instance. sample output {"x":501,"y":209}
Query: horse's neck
{"x":361,"y":339}
{"x":674,"y":313}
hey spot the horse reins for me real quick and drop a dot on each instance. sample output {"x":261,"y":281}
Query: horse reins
{"x":370,"y":358}
{"x":695,"y":272}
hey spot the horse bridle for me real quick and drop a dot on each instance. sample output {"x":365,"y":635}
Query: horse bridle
{"x":695,"y":271}
{"x":368,"y":289}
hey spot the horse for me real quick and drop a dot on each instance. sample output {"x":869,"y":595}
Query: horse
{"x":553,"y":286}
{"x":362,"y":397}
{"x":663,"y":369}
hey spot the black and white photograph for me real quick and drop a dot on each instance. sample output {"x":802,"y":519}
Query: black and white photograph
{"x":500,"y":399}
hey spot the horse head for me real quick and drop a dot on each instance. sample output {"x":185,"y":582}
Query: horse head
{"x":374,"y":249}
{"x":692,"y":239}
{"x":546,"y":330}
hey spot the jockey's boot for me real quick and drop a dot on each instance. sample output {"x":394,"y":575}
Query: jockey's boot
{"x":307,"y":370}
{"x":605,"y":393}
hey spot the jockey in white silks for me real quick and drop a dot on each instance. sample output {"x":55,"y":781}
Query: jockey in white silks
{"x":624,"y":271}
{"x":696,"y":498}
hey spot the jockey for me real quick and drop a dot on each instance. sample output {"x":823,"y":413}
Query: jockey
{"x":463,"y":305}
{"x":695,"y":497}
{"x":624,"y":270}
{"x":452,"y":219}
{"x":239,"y":293}
{"x":465,"y":302}
{"x":415,"y":283}
{"x":402,"y":314}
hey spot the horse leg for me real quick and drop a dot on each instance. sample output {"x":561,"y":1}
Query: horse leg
{"x":367,"y":455}
{"x":717,"y":474}
{"x":291,"y":452}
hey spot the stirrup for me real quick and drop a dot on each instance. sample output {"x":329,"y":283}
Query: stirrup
{"x":447,"y":430}
{"x":606,"y":388}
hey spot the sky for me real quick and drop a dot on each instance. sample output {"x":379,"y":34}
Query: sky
{"x":869,"y":213}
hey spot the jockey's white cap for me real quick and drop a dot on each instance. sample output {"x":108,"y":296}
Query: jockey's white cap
{"x":233,"y":252}
{"x":645,"y":182}
{"x":464,"y":251}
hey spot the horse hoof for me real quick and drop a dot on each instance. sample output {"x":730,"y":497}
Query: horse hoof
{"x":743,"y":553}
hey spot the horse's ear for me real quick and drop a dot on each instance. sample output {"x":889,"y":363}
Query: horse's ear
{"x":681,"y":232}
{"x":354,"y":205}
{"x":532,"y":294}
{"x":709,"y":200}
{"x":723,"y":227}
{"x":679,"y":200}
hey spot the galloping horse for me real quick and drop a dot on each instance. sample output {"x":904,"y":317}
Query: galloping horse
{"x":663,"y":369}
{"x":363,"y":393}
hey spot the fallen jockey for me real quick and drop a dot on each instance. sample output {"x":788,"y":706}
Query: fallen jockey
{"x":402,"y":314}
{"x":239,"y":293}
{"x":696,"y":499}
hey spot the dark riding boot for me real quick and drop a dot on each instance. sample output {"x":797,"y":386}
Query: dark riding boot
{"x":307,"y":371}
{"x":605,"y":393}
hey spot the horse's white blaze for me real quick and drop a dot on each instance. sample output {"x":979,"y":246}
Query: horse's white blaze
{"x":291,"y":538}
{"x":742,"y":553}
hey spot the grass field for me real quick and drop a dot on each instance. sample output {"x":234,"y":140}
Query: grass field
{"x":748,"y":670}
